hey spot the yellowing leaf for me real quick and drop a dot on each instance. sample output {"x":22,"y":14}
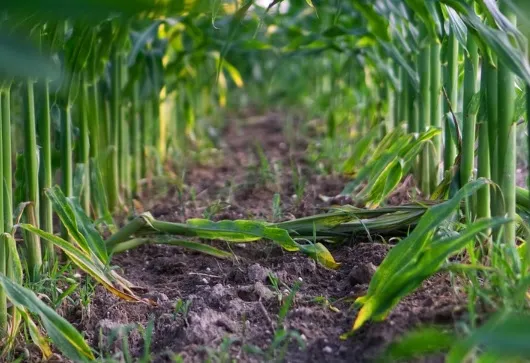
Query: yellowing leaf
{"x":320,"y":254}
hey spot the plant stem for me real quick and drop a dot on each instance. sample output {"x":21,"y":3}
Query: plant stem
{"x":84,"y":144}
{"x":470,"y":113}
{"x":507,"y":144}
{"x":3,"y":247}
{"x":483,"y":195}
{"x":147,"y":119}
{"x":46,"y":177}
{"x":452,"y":70}
{"x":136,"y":141}
{"x":492,"y":118}
{"x":436,"y":113}
{"x":424,"y":65}
{"x":113,"y":177}
{"x":94,"y":125}
{"x":123,"y":132}
{"x":6,"y":160}
{"x":32,"y":181}
{"x":404,"y":96}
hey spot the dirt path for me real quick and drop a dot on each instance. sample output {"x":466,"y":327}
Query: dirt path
{"x":236,"y":300}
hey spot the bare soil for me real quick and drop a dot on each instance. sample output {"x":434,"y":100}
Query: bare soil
{"x":235,"y":299}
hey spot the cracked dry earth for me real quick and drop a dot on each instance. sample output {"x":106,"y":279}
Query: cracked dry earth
{"x":235,"y":299}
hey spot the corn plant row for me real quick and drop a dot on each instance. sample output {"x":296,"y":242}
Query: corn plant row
{"x":129,"y":95}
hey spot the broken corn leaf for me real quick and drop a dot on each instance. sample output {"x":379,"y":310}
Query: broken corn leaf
{"x":320,"y":254}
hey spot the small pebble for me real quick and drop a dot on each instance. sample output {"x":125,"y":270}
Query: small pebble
{"x":205,"y":281}
{"x":327,"y":349}
{"x":300,"y":279}
{"x":208,"y":269}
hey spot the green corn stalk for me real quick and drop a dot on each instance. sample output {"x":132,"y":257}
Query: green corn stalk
{"x":147,"y":119}
{"x":113,"y":175}
{"x":507,"y":147}
{"x":123,"y":132}
{"x":136,"y":141}
{"x":390,"y":119}
{"x":436,"y":113}
{"x":45,"y":172}
{"x":6,"y":159}
{"x":424,"y":65}
{"x":404,"y":95}
{"x":412,"y":110}
{"x":94,"y":131}
{"x":95,"y":140}
{"x":3,"y":246}
{"x":483,"y":195}
{"x":528,"y":127}
{"x":66,"y":154}
{"x":452,"y":73}
{"x":470,"y":113}
{"x":32,"y":179}
{"x":492,"y":118}
{"x":84,"y":143}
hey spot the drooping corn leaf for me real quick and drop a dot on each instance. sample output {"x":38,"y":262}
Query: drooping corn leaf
{"x":79,"y":226}
{"x":386,"y":168}
{"x":38,"y":339}
{"x":232,"y":231}
{"x":419,"y":267}
{"x":386,"y":183}
{"x":317,"y":223}
{"x":195,"y":246}
{"x":67,"y":339}
{"x":498,"y":41}
{"x":381,"y":296}
{"x":319,"y":253}
{"x":241,"y":231}
{"x":385,"y":223}
{"x":87,"y":262}
{"x":14,"y":265}
{"x":360,"y":150}
{"x":14,"y":272}
{"x":458,"y":28}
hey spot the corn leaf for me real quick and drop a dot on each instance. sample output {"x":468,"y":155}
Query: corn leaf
{"x":320,"y":254}
{"x":506,"y":335}
{"x":381,"y":295}
{"x":79,"y":227}
{"x":14,"y":265}
{"x":458,"y":28}
{"x":377,"y":23}
{"x":498,"y":41}
{"x":87,"y":262}
{"x":67,"y":339}
{"x":411,"y":275}
{"x":38,"y":339}
{"x":317,"y":223}
{"x":418,"y":343}
{"x":239,"y":231}
{"x":195,"y":246}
